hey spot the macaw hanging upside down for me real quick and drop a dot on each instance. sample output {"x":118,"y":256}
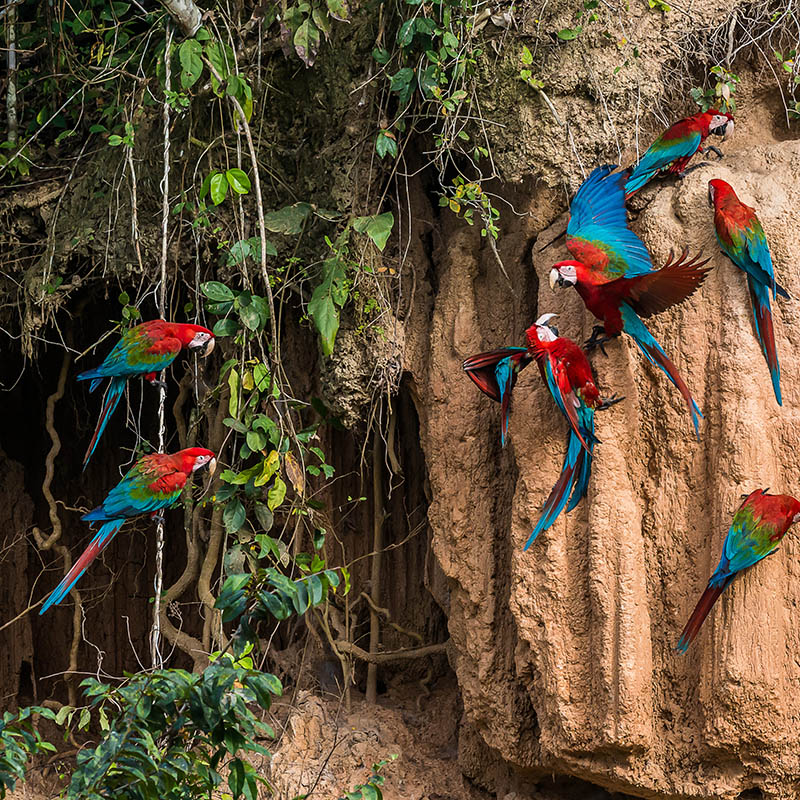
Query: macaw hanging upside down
{"x":568,"y":376}
{"x":154,"y":483}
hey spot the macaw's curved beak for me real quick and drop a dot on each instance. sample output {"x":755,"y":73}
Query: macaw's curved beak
{"x":710,"y":196}
{"x":728,"y":130}
{"x":554,"y":278}
{"x":212,"y":465}
{"x":208,"y":348}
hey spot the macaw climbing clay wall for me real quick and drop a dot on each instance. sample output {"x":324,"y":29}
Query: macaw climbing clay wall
{"x":565,"y":653}
{"x":553,"y":670}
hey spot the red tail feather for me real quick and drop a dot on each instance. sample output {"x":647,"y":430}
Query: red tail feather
{"x":704,"y":605}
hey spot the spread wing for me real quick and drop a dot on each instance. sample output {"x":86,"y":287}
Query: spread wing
{"x":598,"y":234}
{"x":673,"y":283}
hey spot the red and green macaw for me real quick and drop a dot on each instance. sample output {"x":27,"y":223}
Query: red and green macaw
{"x":143,"y":350}
{"x":614,"y":275}
{"x":154,"y":483}
{"x":742,"y":239}
{"x":757,"y":529}
{"x":568,"y":376}
{"x":671,"y":152}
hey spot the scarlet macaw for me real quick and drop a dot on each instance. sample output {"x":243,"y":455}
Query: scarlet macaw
{"x":757,"y":529}
{"x":671,"y":152}
{"x":153,"y":483}
{"x":742,"y":239}
{"x":614,"y":275}
{"x":143,"y":350}
{"x":568,"y":376}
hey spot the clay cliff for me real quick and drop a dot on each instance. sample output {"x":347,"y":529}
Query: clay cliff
{"x":564,"y":654}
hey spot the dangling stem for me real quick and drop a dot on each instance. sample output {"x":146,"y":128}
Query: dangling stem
{"x":155,"y":634}
{"x":377,"y":558}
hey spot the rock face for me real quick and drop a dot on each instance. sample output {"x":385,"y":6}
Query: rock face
{"x":564,"y":654}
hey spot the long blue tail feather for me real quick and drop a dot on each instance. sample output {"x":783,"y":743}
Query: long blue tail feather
{"x":636,"y":329}
{"x":113,"y":395}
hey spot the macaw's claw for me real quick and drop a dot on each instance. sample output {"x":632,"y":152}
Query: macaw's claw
{"x":686,"y":171}
{"x":597,"y":339}
{"x":158,"y":518}
{"x":712,"y":149}
{"x":607,"y":402}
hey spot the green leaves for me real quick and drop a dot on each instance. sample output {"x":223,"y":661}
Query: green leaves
{"x":234,"y":515}
{"x":327,"y":299}
{"x":378,"y":228}
{"x":216,"y":291}
{"x":289,"y":220}
{"x":191,"y":63}
{"x":250,"y":310}
{"x":238,"y":181}
{"x":386,"y":144}
{"x":306,"y":42}
{"x":216,"y":184}
{"x":148,"y":720}
{"x":568,"y":34}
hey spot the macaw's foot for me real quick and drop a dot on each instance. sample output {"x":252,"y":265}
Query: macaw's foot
{"x":607,"y":402}
{"x":597,"y":339}
{"x":157,"y":517}
{"x":686,"y":171}
{"x":712,"y":149}
{"x":153,"y":380}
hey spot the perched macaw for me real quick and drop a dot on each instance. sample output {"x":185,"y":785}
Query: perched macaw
{"x":154,"y":483}
{"x":671,"y":152}
{"x":615,"y":277}
{"x":568,"y":376}
{"x":742,"y":239}
{"x":142,"y":351}
{"x":757,"y":529}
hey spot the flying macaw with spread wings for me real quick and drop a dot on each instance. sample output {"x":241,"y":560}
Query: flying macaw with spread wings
{"x":614,"y":275}
{"x":568,"y":376}
{"x":143,"y":350}
{"x":757,"y":529}
{"x":671,"y":152}
{"x":154,"y":483}
{"x":742,"y":239}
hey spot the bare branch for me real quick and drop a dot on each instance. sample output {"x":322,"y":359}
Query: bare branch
{"x":186,"y":14}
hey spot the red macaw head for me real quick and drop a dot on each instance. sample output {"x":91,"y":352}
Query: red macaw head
{"x":194,"y":459}
{"x":565,"y":273}
{"x":718,"y":190}
{"x":720,"y":123}
{"x":540,"y":333}
{"x":196,"y":337}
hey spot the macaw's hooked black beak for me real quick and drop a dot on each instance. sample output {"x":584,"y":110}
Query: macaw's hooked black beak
{"x":209,"y":466}
{"x":556,"y":279}
{"x":203,"y":348}
{"x":727,"y":130}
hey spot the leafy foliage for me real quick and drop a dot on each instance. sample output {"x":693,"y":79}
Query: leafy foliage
{"x":721,"y":95}
{"x":173,"y":734}
{"x":19,"y":741}
{"x":371,"y":790}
